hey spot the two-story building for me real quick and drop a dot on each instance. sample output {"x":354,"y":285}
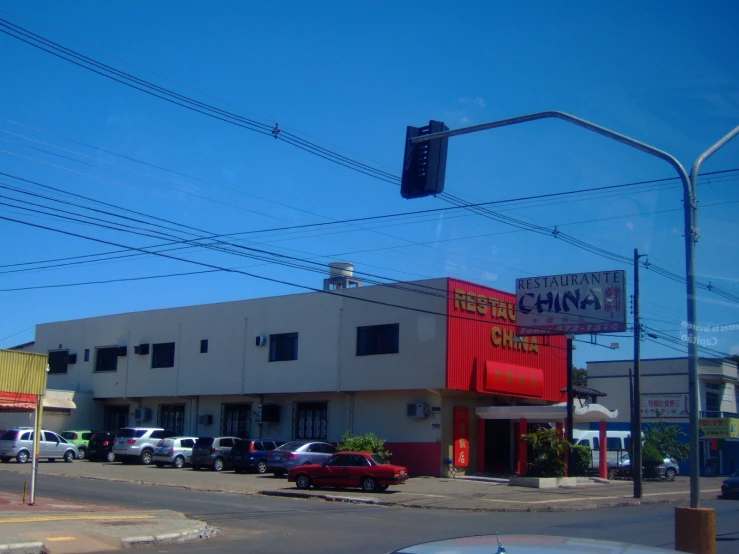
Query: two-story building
{"x":409,"y":362}
{"x":664,"y":396}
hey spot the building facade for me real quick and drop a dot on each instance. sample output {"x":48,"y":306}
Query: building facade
{"x":664,"y":397}
{"x":407,"y":362}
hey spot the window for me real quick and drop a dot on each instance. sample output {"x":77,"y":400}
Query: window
{"x":87,"y":354}
{"x":162,"y":355}
{"x":283,"y":348}
{"x":613,"y":443}
{"x":358,"y":461}
{"x":161,"y":434}
{"x":713,"y":397}
{"x":584,"y":442}
{"x":226,"y":443}
{"x":106,"y":358}
{"x":58,"y":361}
{"x":50,"y":437}
{"x":116,"y":417}
{"x":86,"y":436}
{"x":236,"y":420}
{"x":204,"y":346}
{"x":378,"y":339}
{"x":310,"y":420}
{"x":187,"y":443}
{"x":337,"y":460}
{"x":596,"y":443}
{"x":172,"y":417}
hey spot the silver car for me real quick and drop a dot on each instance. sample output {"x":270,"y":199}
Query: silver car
{"x":667,"y":469}
{"x":18,"y":443}
{"x":297,"y":453}
{"x":174,"y":451}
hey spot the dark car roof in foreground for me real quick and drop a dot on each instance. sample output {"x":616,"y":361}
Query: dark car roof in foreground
{"x":526,"y":544}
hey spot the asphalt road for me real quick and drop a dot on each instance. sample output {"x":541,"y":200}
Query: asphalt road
{"x":259,"y":524}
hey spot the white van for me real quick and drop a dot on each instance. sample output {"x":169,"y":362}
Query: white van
{"x":617,"y":445}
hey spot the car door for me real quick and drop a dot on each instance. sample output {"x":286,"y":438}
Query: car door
{"x":51,"y":447}
{"x":357,"y":468}
{"x":224,"y":446}
{"x":333,"y":473}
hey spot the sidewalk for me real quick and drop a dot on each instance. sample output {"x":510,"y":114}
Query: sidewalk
{"x":64,"y":528}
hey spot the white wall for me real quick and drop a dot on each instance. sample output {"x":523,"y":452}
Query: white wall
{"x":235,"y":365}
{"x":385,"y":415}
{"x":87,"y":415}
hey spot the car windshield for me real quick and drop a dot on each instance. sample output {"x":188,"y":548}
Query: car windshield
{"x":100,"y":437}
{"x":290,"y":446}
{"x":379,"y":460}
{"x":204,"y":441}
{"x":130,"y":433}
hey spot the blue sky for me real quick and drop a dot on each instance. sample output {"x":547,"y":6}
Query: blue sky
{"x":351,"y":78}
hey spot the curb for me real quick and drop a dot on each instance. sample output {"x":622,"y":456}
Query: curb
{"x":202,"y":531}
{"x":370,"y":501}
{"x":23,"y":548}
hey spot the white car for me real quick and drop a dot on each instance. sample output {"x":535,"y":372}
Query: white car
{"x":18,"y":443}
{"x":138,"y":443}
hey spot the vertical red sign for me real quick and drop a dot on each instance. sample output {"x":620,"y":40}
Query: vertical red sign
{"x":461,"y":437}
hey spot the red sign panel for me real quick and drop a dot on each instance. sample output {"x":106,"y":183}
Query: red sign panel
{"x":513,"y":379}
{"x":461,"y":437}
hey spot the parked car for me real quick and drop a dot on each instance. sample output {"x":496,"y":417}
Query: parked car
{"x":138,"y":443}
{"x":100,"y":447}
{"x":18,"y":443}
{"x":667,"y":469}
{"x":251,"y":455}
{"x":212,"y":452}
{"x":730,"y":486}
{"x":174,"y":451}
{"x":349,"y":469}
{"x":80,"y":439}
{"x":297,"y":453}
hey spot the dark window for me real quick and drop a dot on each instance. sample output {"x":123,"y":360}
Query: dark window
{"x":310,"y":420}
{"x":106,"y":358}
{"x":87,"y":354}
{"x":236,"y":420}
{"x":713,"y":398}
{"x":204,"y":346}
{"x":226,"y":443}
{"x":596,"y":443}
{"x":27,"y":437}
{"x":283,"y":347}
{"x":9,"y":435}
{"x":116,"y":417}
{"x":162,"y":355}
{"x":50,"y":437}
{"x":86,"y":436}
{"x":187,"y":443}
{"x":584,"y":442}
{"x":58,"y":360}
{"x":269,"y":445}
{"x":613,"y":443}
{"x":204,"y":441}
{"x":378,"y":339}
{"x":172,"y":416}
{"x":337,"y":460}
{"x":359,"y":461}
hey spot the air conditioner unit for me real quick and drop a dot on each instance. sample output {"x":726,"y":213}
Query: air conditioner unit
{"x":141,"y":349}
{"x":417,"y":410}
{"x":268,"y":413}
{"x":261,"y":340}
{"x":142,"y":414}
{"x":205,"y":419}
{"x":122,"y":351}
{"x":72,"y":359}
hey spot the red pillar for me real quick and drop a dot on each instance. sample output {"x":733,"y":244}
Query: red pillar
{"x":603,"y":453}
{"x":523,"y":451}
{"x":480,"y":445}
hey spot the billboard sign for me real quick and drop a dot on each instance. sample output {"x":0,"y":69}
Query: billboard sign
{"x":664,"y":405}
{"x":719,"y":428}
{"x":577,"y":303}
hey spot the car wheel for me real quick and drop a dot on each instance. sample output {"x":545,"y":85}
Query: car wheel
{"x":110,"y":457}
{"x":159,"y":465}
{"x":670,"y":474}
{"x":218,"y":464}
{"x":146,"y":457}
{"x":196,"y":468}
{"x":83,"y":452}
{"x":262,"y":466}
{"x":22,"y":457}
{"x":369,"y":484}
{"x":302,"y":482}
{"x":69,"y":456}
{"x":179,"y":462}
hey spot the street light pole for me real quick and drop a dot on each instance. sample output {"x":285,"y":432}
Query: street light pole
{"x":636,"y":453}
{"x":570,"y":408}
{"x":691,"y":237}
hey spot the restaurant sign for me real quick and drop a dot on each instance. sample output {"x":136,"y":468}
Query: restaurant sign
{"x":719,"y":427}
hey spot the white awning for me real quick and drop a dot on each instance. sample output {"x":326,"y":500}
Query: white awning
{"x":557,"y":412}
{"x":56,"y":403}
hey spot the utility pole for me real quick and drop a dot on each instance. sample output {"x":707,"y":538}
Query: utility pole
{"x":636,"y":457}
{"x":570,"y":407}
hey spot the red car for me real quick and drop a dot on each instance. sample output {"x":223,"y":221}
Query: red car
{"x":349,"y":469}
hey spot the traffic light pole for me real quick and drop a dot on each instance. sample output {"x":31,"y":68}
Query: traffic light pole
{"x":691,"y":237}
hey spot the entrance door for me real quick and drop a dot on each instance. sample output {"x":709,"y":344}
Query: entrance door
{"x":115,"y":418}
{"x":498,"y":445}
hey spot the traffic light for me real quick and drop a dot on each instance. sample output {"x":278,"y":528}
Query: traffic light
{"x":424,"y":164}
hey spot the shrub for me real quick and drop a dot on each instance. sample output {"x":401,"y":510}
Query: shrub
{"x":651,"y":459}
{"x":363,"y":443}
{"x":583,"y":458}
{"x":549,"y":451}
